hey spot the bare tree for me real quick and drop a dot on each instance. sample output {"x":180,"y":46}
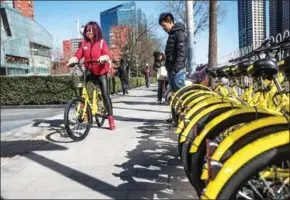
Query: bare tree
{"x":212,"y":50}
{"x":136,"y":44}
{"x":201,"y":13}
{"x":57,"y":59}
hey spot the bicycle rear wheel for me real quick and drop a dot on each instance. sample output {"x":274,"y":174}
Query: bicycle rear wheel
{"x":79,"y":125}
{"x":101,"y":115}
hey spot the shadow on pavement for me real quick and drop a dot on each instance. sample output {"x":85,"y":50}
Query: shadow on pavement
{"x":133,"y":119}
{"x":146,"y":110}
{"x":155,"y":165}
{"x":20,"y":147}
{"x":149,"y":96}
{"x":58,"y":134}
{"x":138,"y":103}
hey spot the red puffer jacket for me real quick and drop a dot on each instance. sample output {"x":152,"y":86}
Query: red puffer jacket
{"x":92,"y":51}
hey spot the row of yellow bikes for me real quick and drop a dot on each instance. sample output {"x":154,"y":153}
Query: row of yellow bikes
{"x":234,"y":139}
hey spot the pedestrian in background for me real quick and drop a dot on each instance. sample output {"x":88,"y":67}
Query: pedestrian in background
{"x":147,"y":72}
{"x":122,"y":73}
{"x":159,"y":68}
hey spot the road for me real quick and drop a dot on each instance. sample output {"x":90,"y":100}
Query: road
{"x":15,"y":118}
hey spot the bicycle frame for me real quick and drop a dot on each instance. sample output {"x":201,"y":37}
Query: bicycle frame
{"x":226,"y":116}
{"x":203,"y":113}
{"x":199,"y":103}
{"x":244,"y":131}
{"x":185,"y":88}
{"x":93,"y":105}
{"x":240,"y":158}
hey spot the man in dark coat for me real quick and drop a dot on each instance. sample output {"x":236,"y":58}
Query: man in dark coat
{"x":175,"y":51}
{"x":122,"y":73}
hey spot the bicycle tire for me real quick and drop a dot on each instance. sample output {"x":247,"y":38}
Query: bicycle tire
{"x":186,"y":156}
{"x":100,"y":120}
{"x":198,"y":157}
{"x":66,"y":121}
{"x":260,"y":162}
{"x":188,"y":88}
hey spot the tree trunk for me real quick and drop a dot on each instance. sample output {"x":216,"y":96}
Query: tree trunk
{"x":212,"y":50}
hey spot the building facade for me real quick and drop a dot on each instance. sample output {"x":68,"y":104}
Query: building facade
{"x":252,"y":22}
{"x":279,"y":16}
{"x":67,"y":49}
{"x":25,"y":44}
{"x":286,"y":15}
{"x":118,"y":38}
{"x":121,"y":15}
{"x":25,"y":7}
{"x":141,"y":20}
{"x":75,"y":44}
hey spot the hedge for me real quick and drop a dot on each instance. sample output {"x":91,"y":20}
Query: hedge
{"x":41,"y":90}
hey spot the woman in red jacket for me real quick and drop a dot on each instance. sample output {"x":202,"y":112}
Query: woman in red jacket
{"x":94,"y":48}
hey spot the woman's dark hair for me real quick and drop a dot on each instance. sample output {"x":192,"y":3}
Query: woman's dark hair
{"x":167,"y":17}
{"x":156,"y":54}
{"x":96,"y":30}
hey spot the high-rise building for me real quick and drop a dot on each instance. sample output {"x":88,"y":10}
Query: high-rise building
{"x":70,"y":47}
{"x":141,"y":20}
{"x":121,"y":15}
{"x":275,"y":17}
{"x":67,"y":49}
{"x":75,"y":44}
{"x":25,"y":7}
{"x":279,"y":16}
{"x":252,"y":22}
{"x":286,"y":15}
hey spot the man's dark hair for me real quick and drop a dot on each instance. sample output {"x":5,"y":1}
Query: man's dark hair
{"x":167,"y":17}
{"x":122,"y":61}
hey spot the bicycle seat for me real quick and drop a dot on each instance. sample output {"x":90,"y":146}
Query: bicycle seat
{"x":243,"y":66}
{"x":284,"y":65}
{"x":231,"y":71}
{"x":266,"y":67}
{"x":223,"y":71}
{"x":211,"y":72}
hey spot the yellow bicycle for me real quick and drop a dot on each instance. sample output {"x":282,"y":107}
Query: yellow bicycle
{"x":79,"y":112}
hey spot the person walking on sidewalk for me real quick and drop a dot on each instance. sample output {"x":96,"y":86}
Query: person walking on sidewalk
{"x":175,"y":51}
{"x":122,"y":73}
{"x":147,"y":72}
{"x":94,"y":48}
{"x":159,"y":68}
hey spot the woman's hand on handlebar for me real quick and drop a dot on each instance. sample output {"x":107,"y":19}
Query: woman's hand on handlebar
{"x":71,"y":61}
{"x":103,"y":59}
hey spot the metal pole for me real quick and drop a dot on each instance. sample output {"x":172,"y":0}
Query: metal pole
{"x":190,"y":36}
{"x":78,"y":29}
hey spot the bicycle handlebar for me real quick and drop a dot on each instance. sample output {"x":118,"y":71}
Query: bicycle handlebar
{"x":86,"y":62}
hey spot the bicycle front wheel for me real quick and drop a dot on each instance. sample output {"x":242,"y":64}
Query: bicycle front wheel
{"x":77,"y":120}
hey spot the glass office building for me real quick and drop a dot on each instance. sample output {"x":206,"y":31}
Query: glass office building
{"x":121,"y":15}
{"x":25,"y":44}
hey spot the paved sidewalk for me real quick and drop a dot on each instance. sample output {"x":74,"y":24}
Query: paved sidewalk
{"x":138,"y":160}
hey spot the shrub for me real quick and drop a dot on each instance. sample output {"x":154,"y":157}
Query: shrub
{"x":37,"y":90}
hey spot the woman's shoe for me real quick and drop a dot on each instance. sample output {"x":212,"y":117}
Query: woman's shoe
{"x":111,"y":122}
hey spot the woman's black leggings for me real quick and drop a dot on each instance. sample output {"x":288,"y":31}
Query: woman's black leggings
{"x":102,"y":81}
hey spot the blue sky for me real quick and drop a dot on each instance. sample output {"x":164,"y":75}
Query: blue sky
{"x":59,"y":18}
